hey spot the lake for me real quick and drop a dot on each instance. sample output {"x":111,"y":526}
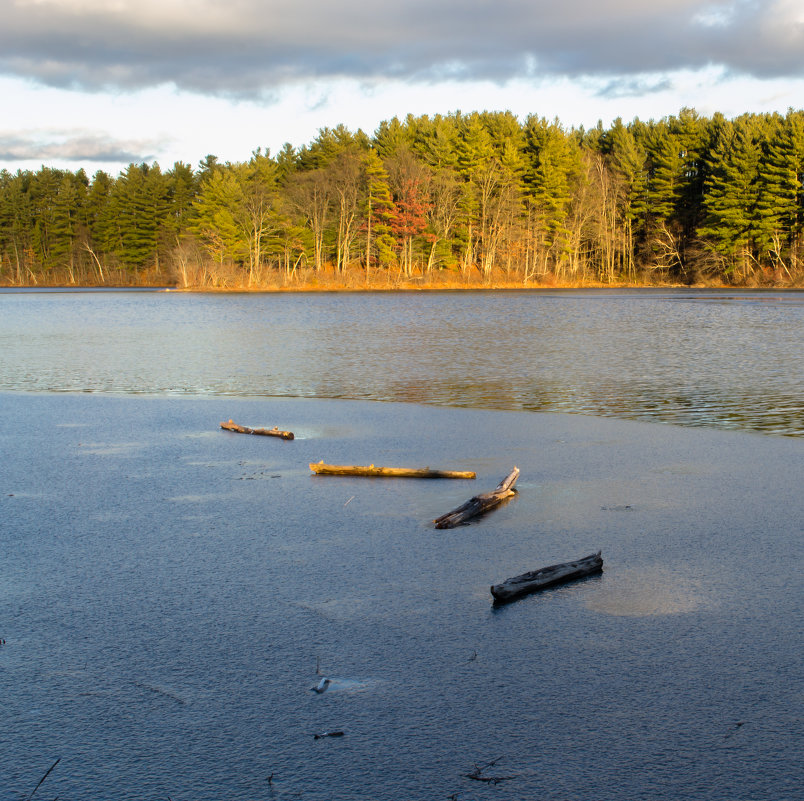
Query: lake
{"x":170,"y":592}
{"x":700,"y":358}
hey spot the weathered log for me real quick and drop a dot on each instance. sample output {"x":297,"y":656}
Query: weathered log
{"x":545,"y":577}
{"x":321,"y":469}
{"x":263,"y":432}
{"x":479,"y":503}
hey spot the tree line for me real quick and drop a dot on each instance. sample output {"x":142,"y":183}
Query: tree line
{"x":478,"y":197}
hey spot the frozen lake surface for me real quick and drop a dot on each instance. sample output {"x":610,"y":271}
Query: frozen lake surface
{"x":168,"y":591}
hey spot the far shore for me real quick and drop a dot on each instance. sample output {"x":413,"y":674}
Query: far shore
{"x":356,"y":282}
{"x":203,"y":277}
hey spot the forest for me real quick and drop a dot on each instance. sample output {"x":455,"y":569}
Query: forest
{"x":478,"y":199}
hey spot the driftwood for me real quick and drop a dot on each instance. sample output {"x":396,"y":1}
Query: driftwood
{"x":42,"y":780}
{"x":263,"y":432}
{"x":321,"y":469}
{"x":477,"y":774}
{"x":479,"y":503}
{"x":545,"y":577}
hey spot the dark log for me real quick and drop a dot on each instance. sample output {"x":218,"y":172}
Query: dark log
{"x":263,"y":432}
{"x":545,"y":577}
{"x":328,"y":734}
{"x":321,"y":469}
{"x":479,"y":504}
{"x":477,"y":774}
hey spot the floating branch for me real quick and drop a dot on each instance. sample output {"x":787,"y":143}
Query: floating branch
{"x":263,"y":432}
{"x":42,"y":780}
{"x":321,"y":469}
{"x":477,"y":774}
{"x":479,"y":503}
{"x":545,"y":577}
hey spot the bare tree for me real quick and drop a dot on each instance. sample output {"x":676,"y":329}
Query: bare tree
{"x":310,"y":194}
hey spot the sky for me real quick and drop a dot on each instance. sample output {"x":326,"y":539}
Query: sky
{"x":99,"y":84}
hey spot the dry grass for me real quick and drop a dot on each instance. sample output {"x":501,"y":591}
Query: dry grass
{"x":212,"y":277}
{"x":354,"y":280}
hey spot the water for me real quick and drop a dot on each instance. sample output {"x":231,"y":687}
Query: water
{"x":170,"y":593}
{"x":698,"y":358}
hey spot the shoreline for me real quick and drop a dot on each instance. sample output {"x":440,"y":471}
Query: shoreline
{"x":312,"y":288}
{"x":355,"y":280}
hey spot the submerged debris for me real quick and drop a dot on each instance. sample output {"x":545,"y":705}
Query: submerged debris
{"x":336,"y":733}
{"x":477,"y":773}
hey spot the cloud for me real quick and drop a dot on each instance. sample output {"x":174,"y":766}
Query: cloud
{"x":72,"y":146}
{"x":634,"y":87}
{"x":252,"y":47}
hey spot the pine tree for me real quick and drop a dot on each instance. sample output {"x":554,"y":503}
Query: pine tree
{"x":140,"y":204}
{"x":16,"y":224}
{"x":436,"y":141}
{"x":627,"y":156}
{"x":182,"y":187}
{"x":553,"y":164}
{"x":777,"y":219}
{"x":390,"y":137}
{"x":666,"y":165}
{"x":215,"y":207}
{"x":379,"y":213}
{"x":286,"y":163}
{"x":731,"y":192}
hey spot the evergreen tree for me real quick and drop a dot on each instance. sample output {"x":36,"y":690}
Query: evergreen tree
{"x":777,"y":220}
{"x":688,"y":130}
{"x":552,"y":167}
{"x":628,"y":157}
{"x":16,"y":225}
{"x":328,"y":145}
{"x":666,"y":166}
{"x":390,"y":137}
{"x":286,"y":163}
{"x":475,"y":153}
{"x":50,"y":230}
{"x":379,"y":213}
{"x":181,"y":189}
{"x":214,"y":209}
{"x":436,"y":141}
{"x":731,"y":192}
{"x":139,"y":202}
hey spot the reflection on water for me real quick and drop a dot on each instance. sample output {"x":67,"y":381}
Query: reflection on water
{"x":705,"y":358}
{"x":647,"y":593}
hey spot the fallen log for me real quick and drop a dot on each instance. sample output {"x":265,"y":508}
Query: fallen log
{"x":545,"y":577}
{"x":479,"y":504}
{"x":263,"y":432}
{"x":321,"y":469}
